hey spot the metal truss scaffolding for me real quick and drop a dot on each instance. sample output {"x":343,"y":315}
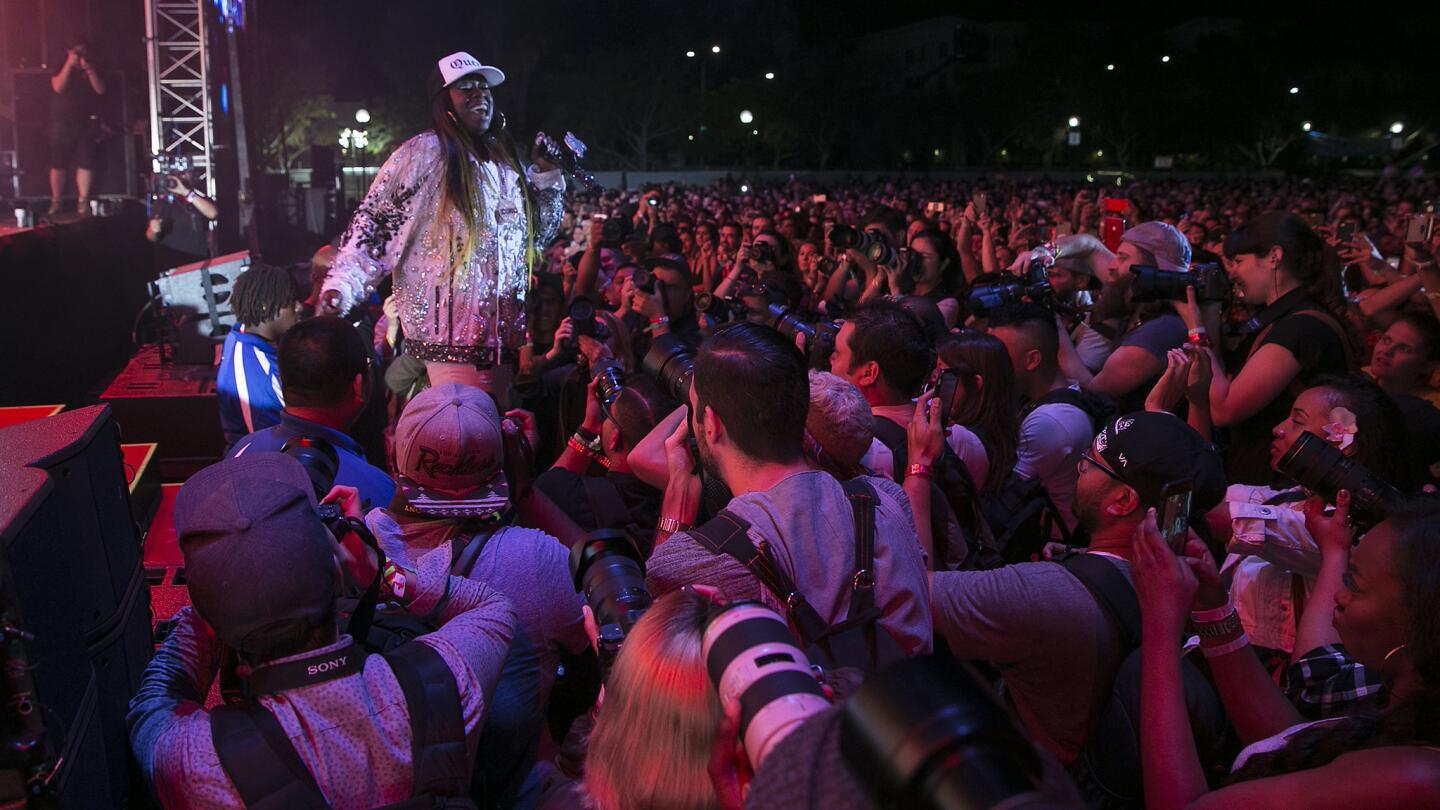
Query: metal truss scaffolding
{"x":182,"y":123}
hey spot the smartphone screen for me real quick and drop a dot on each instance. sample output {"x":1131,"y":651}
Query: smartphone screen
{"x":1174,"y":515}
{"x":946,"y":387}
{"x":1419,"y":228}
{"x":1346,"y":231}
{"x":979,"y":199}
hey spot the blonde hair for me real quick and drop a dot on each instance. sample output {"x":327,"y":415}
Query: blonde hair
{"x":653,"y":737}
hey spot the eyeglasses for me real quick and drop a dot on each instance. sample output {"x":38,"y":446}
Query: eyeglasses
{"x":1086,"y":458}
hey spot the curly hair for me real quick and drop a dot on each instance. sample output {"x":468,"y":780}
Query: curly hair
{"x":261,"y":293}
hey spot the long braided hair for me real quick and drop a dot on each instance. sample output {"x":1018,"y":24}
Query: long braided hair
{"x":462,"y":187}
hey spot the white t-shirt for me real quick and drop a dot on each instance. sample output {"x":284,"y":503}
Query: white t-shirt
{"x":1052,"y":437}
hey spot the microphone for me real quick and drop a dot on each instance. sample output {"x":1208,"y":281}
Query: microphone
{"x":567,"y":158}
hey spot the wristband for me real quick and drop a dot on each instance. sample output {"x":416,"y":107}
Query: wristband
{"x":671,"y":525}
{"x":190,"y":197}
{"x":920,"y":470}
{"x":394,"y":580}
{"x":1213,"y":614}
{"x":589,"y":438}
{"x":1226,"y":648}
{"x":584,"y":450}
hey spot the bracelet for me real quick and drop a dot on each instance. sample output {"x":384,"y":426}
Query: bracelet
{"x":1228,"y":626}
{"x":920,"y":470}
{"x":657,"y":323}
{"x":589,"y":437}
{"x":594,"y":455}
{"x":1213,"y":614}
{"x":1225,"y":649}
{"x":671,"y":525}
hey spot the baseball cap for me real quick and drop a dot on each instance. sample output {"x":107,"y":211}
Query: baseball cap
{"x":256,"y":552}
{"x":1149,"y":449}
{"x":1163,"y":241}
{"x":450,"y":453}
{"x":449,"y":69}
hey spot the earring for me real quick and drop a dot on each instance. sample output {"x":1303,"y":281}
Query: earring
{"x":1394,"y":650}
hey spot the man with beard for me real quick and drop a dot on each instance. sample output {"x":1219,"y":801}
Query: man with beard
{"x":1038,"y":623}
{"x":453,"y":216}
{"x":747,"y":408}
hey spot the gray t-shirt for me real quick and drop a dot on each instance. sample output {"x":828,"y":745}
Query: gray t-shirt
{"x":531,"y":568}
{"x":1044,"y":631}
{"x":811,"y":530}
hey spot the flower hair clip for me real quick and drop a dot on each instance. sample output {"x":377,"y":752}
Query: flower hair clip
{"x":1340,"y":430}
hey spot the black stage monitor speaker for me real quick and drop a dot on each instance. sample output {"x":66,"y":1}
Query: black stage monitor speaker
{"x":74,"y":559}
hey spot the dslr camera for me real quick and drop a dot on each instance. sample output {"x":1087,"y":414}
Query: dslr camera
{"x":608,"y":570}
{"x":873,"y":244}
{"x":1153,"y":284}
{"x":1034,"y":286}
{"x":1320,"y":467}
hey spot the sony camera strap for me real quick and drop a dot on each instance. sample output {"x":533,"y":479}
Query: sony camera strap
{"x":308,"y":671}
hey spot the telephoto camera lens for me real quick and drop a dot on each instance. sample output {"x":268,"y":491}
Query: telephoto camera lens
{"x":1154,"y":284}
{"x":1322,"y":468}
{"x":319,"y":459}
{"x":927,"y":733}
{"x":751,"y":656}
{"x":582,"y":317}
{"x":984,"y":300}
{"x":787,"y":323}
{"x":611,"y":378}
{"x":606,"y":568}
{"x":669,"y":359}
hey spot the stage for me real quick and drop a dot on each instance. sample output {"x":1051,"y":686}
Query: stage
{"x":72,"y":294}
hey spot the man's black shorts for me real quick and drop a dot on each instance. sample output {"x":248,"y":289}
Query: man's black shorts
{"x":72,"y":145}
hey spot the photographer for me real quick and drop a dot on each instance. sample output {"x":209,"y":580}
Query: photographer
{"x":74,"y":126}
{"x":615,"y":498}
{"x":1153,"y":329}
{"x":748,"y":406}
{"x":1056,"y":646}
{"x":325,"y":377}
{"x":453,"y":494}
{"x":180,"y":218}
{"x":262,"y":572}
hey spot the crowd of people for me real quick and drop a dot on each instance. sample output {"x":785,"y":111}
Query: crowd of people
{"x":1129,"y":483}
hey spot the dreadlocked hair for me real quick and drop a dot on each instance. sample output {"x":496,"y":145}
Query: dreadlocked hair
{"x":461,"y":190}
{"x":1414,"y":720}
{"x":261,"y":293}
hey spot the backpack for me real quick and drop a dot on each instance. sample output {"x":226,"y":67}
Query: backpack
{"x":390,"y":625}
{"x":857,"y":641}
{"x":955,"y":499}
{"x":1023,"y":518}
{"x":262,"y":764}
{"x":1107,"y":772}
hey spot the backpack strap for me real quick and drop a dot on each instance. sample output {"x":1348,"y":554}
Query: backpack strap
{"x":464,"y":561}
{"x":726,"y":533}
{"x":897,"y":441}
{"x":437,"y":725}
{"x":863,"y":504}
{"x":1114,"y":593}
{"x":261,"y":762}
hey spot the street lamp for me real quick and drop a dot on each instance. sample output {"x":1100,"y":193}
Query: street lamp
{"x":1109,"y":67}
{"x":1164,"y":59}
{"x":689,"y":54}
{"x":769,"y":75}
{"x":362,"y":116}
{"x":714,"y":49}
{"x":1397,"y":128}
{"x":746,"y":116}
{"x":1074,"y":121}
{"x":1305,"y":126}
{"x":1294,"y":90}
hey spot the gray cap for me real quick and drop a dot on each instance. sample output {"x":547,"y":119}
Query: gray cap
{"x":256,"y":552}
{"x":1163,"y":241}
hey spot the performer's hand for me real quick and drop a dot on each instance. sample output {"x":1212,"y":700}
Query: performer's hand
{"x":329,"y":303}
{"x":538,"y":158}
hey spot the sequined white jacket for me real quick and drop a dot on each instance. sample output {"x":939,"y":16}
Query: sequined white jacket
{"x":475,"y":314}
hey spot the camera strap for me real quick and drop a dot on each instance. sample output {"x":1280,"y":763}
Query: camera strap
{"x":308,"y":671}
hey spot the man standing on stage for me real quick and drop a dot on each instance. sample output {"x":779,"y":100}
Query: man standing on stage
{"x":73,"y":122}
{"x":449,"y":215}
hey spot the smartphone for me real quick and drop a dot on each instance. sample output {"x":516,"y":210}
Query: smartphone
{"x":947,"y":385}
{"x":1174,"y":517}
{"x":1420,"y":227}
{"x":1345,"y":231}
{"x":934,"y":207}
{"x":599,"y":217}
{"x":1315,"y":220}
{"x":819,"y":198}
{"x":978,"y":198}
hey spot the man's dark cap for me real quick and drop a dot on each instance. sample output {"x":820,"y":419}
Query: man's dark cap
{"x":256,"y":552}
{"x":1151,"y":449}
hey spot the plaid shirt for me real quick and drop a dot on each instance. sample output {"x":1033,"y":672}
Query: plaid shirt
{"x":1328,"y":681}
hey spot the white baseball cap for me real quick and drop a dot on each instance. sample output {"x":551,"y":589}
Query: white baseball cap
{"x":460,"y":64}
